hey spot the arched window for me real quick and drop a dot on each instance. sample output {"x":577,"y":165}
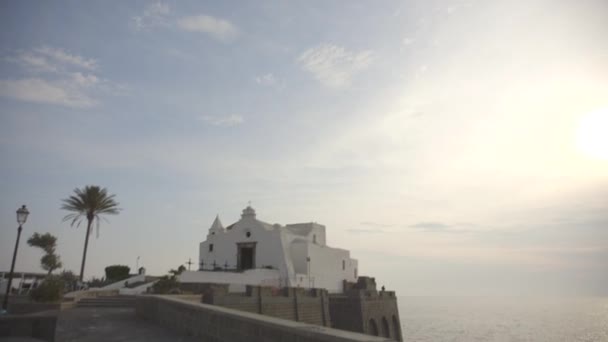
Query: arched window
{"x":373,"y":328}
{"x":396,"y":329}
{"x":343,"y":265}
{"x":314,"y":238}
{"x":210,"y":247}
{"x":385,"y":330}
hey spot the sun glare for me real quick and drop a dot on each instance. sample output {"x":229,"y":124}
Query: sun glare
{"x":592,"y":135}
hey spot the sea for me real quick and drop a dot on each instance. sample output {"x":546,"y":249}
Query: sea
{"x":504,"y":319}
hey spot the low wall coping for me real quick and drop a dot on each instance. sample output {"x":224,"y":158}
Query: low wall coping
{"x":298,"y":328}
{"x":40,"y":325}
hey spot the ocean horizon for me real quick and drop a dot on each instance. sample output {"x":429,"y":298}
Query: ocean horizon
{"x":471,"y":318}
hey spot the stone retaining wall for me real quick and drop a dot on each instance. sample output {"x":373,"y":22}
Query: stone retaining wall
{"x":217,"y":324}
{"x":362,"y":308}
{"x":31,"y":307}
{"x":40,"y":326}
{"x":301,"y":305}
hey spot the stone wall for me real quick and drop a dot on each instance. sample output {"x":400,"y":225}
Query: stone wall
{"x":296,"y":304}
{"x":217,"y":324}
{"x":31,"y":307}
{"x":362,"y":308}
{"x":40,"y":326}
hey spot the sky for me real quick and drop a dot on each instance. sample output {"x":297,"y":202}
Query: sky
{"x":454,"y":147}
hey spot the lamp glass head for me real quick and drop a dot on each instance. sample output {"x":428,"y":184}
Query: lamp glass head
{"x":22,"y":215}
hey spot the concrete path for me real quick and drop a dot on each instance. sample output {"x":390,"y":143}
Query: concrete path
{"x":111,"y":325}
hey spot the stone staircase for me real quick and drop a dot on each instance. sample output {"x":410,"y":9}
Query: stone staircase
{"x":107,"y":302}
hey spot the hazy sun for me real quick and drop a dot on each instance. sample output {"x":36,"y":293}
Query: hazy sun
{"x":592,"y":135}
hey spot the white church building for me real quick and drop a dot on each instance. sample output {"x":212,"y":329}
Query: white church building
{"x":253,"y":252}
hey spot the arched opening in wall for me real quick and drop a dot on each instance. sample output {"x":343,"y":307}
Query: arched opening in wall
{"x":373,"y":328}
{"x":396,"y":329}
{"x":385,"y":330}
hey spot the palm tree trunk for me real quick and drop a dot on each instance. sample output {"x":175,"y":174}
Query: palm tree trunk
{"x":86,"y":246}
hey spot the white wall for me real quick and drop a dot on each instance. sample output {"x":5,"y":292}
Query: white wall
{"x":286,"y":249}
{"x":326,"y":267}
{"x":313,"y":232}
{"x":136,"y":290}
{"x":250,"y":277}
{"x":121,"y":283}
{"x":269,"y":251}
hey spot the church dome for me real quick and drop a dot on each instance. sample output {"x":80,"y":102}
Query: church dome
{"x":248,"y":212}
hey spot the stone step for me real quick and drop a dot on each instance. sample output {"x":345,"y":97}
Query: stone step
{"x":109,"y":301}
{"x":105,"y":305}
{"x":106,"y":301}
{"x":130,"y":302}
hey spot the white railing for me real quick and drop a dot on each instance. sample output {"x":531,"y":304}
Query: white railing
{"x":121,"y":284}
{"x":136,"y":290}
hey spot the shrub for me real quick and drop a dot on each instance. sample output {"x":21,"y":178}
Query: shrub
{"x":165,"y":285}
{"x":169,"y":284}
{"x":70,"y":280}
{"x":97,"y":282}
{"x":50,"y":290}
{"x":117,"y":272}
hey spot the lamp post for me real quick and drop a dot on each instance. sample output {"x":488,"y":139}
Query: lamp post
{"x":21,"y":218}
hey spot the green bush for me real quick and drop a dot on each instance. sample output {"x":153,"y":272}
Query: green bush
{"x":97,"y":282}
{"x":117,"y":272}
{"x":70,"y":280}
{"x":50,"y":290}
{"x":165,"y":285}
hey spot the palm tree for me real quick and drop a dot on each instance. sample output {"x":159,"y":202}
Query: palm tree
{"x":88,"y":203}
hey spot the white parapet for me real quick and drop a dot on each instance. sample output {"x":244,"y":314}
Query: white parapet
{"x":264,"y":277}
{"x":122,"y":283}
{"x":136,"y":290}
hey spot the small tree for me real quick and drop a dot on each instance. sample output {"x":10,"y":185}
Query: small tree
{"x":70,"y":280}
{"x":97,"y":282}
{"x":168,"y":283}
{"x":117,"y":272}
{"x":47,"y":242}
{"x":50,"y":290}
{"x":178,"y":271}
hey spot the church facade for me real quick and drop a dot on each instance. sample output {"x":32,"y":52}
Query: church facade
{"x":294,"y":255}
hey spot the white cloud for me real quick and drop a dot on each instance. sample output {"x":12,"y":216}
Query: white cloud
{"x":154,"y":15}
{"x":408,"y":41}
{"x":55,"y":76}
{"x":33,"y":63}
{"x":84,"y":80}
{"x":61,"y":57}
{"x":47,"y":59}
{"x":266,"y":80}
{"x":223,"y":121}
{"x":217,"y":28}
{"x":334,"y":66}
{"x":38,"y":90}
{"x":158,"y":14}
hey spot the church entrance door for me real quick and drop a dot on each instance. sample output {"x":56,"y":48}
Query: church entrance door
{"x":246,"y":256}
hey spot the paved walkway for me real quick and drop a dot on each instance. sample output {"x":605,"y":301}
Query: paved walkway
{"x":112,"y":325}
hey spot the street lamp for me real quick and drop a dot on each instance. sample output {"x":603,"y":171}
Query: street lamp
{"x":21,"y":218}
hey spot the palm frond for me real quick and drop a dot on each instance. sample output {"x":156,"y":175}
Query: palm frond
{"x":89,"y":203}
